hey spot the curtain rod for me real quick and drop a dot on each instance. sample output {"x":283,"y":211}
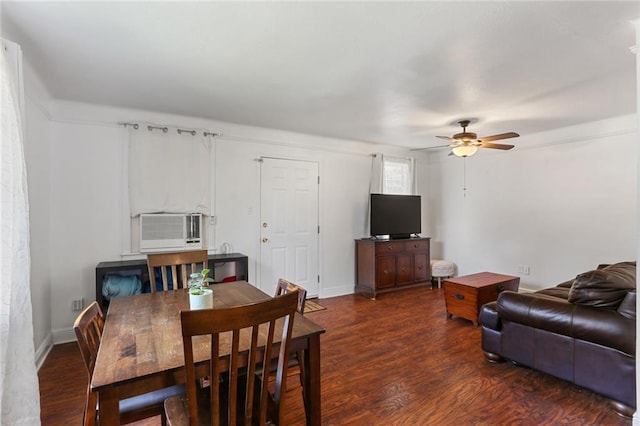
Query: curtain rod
{"x":165,"y":129}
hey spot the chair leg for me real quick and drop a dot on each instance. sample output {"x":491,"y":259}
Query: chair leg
{"x":90,"y":409}
{"x":300,"y":355}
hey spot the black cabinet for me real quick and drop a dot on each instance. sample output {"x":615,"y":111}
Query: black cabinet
{"x":139,"y":267}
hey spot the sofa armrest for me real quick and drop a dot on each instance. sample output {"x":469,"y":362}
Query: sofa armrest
{"x":489,"y":317}
{"x":597,"y":325}
{"x":628,"y":306}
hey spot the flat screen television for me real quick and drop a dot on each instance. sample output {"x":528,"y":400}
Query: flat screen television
{"x":397,"y":216}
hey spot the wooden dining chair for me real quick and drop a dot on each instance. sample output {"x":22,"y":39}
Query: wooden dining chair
{"x":296,"y":366}
{"x":248,"y":332}
{"x":88,"y":328}
{"x":285,"y":287}
{"x":180,"y":265}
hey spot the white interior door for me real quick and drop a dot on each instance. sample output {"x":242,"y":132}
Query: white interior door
{"x":289,"y":224}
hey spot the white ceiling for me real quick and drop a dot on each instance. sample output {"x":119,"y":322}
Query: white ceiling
{"x":396,"y":73}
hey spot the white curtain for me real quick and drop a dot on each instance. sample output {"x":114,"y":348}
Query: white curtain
{"x":19,"y":394}
{"x":377,"y":165}
{"x":169,"y":171}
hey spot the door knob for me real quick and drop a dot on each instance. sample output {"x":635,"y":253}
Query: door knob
{"x":264,"y":224}
{"x":265,"y":239}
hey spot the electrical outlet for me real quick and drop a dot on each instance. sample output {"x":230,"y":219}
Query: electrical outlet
{"x":520,"y":269}
{"x":77,"y":305}
{"x":526,"y":270}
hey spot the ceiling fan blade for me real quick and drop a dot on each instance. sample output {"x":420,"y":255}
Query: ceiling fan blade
{"x":446,"y":138}
{"x":498,"y":137}
{"x":430,"y":147}
{"x":496,"y":145}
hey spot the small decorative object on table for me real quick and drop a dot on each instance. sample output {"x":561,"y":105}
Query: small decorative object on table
{"x":200,"y":295}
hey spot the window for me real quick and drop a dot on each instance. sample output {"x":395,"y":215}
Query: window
{"x":392,"y":175}
{"x":397,"y":176}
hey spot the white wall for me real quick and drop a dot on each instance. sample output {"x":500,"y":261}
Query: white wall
{"x":86,"y":185}
{"x":636,"y":51}
{"x":86,"y":188}
{"x":36,"y":144}
{"x":560,"y":203}
{"x":343,"y":204}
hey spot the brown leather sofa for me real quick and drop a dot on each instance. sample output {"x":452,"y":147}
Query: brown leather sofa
{"x":582,"y":331}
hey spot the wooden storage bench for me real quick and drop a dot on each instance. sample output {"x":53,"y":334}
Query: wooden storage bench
{"x":465,"y":295}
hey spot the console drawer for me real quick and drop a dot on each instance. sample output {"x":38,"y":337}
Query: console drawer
{"x":421,"y":245}
{"x":389,"y":247}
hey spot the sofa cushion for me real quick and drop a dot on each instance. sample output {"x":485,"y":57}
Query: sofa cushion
{"x":601,"y":326}
{"x":604,"y":288}
{"x":559,"y":292}
{"x":566,"y":284}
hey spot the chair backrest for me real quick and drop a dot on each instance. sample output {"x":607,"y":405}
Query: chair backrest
{"x":259,"y":320}
{"x":285,"y":287}
{"x":88,"y":328}
{"x":181,"y":265}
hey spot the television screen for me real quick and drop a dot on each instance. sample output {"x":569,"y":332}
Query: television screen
{"x":395,"y":215}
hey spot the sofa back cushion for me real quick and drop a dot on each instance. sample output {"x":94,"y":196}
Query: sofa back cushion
{"x":604,"y":288}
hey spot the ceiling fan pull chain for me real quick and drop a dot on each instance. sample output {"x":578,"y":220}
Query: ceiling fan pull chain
{"x":464,"y":177}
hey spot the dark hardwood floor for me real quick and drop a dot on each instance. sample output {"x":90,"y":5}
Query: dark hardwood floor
{"x":395,"y":360}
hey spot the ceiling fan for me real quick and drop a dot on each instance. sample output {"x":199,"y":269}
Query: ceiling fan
{"x":465,"y":144}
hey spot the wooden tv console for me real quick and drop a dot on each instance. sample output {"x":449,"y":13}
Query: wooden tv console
{"x":388,"y":265}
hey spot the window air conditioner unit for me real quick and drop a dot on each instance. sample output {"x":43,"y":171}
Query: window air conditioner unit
{"x":169,"y":231}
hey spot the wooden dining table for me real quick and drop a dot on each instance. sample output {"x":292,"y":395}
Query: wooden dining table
{"x":141,"y":348}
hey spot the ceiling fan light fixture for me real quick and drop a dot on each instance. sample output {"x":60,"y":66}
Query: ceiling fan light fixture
{"x":465,"y":144}
{"x":464,"y":150}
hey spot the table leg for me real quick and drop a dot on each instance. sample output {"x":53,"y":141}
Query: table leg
{"x":312,"y":402}
{"x":109,"y":406}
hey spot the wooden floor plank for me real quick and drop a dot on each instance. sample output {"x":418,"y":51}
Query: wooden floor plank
{"x":395,"y":360}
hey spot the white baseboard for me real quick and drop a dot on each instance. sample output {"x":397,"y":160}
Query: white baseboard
{"x":63,"y":335}
{"x":336,"y":291}
{"x":43,"y":351}
{"x":343,"y":291}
